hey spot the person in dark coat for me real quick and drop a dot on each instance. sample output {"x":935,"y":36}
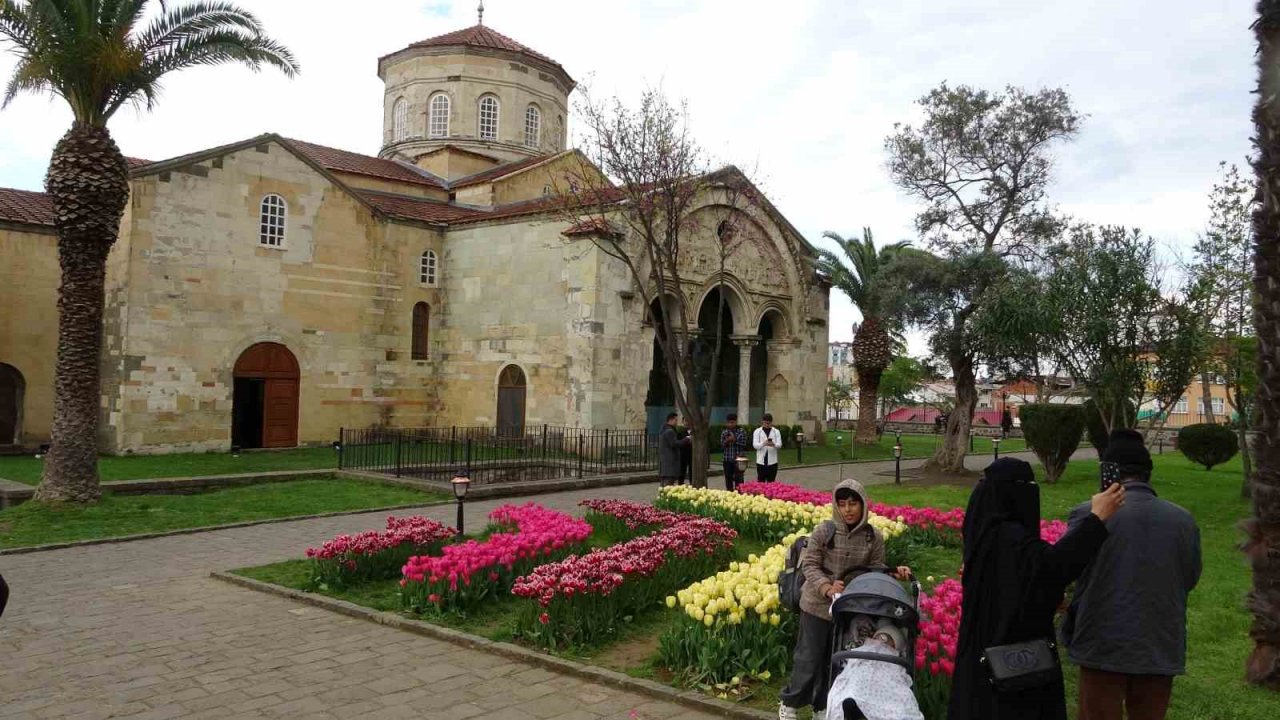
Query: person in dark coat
{"x":686,"y":456}
{"x":1127,"y":625}
{"x":1013,"y":583}
{"x":1006,"y":423}
{"x":669,"y":452}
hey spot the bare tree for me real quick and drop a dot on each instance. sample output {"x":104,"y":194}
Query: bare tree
{"x":643,"y":190}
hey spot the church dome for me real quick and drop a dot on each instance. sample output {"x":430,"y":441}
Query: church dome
{"x":473,"y":91}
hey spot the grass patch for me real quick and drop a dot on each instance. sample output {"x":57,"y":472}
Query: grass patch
{"x":112,"y":468}
{"x":121,"y":515}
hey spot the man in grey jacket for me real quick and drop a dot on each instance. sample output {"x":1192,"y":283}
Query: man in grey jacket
{"x":1127,"y":625}
{"x":669,"y":452}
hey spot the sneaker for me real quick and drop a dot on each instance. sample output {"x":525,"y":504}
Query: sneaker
{"x":819,"y":715}
{"x":786,"y":713}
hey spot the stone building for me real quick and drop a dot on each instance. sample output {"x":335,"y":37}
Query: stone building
{"x":268,"y":292}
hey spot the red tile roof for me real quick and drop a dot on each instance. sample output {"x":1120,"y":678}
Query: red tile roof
{"x":498,"y":172}
{"x":26,"y":207}
{"x":336,"y":160}
{"x":411,"y":208}
{"x":484,"y":37}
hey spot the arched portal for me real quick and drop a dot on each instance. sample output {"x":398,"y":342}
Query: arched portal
{"x":715,"y":328}
{"x":768,"y":330}
{"x":264,"y":409}
{"x":661,"y":396}
{"x":12,"y":389}
{"x":511,"y":399}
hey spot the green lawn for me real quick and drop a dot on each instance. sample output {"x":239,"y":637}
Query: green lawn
{"x":121,"y":515}
{"x":27,"y":469}
{"x":913,"y":446}
{"x":1213,"y":688}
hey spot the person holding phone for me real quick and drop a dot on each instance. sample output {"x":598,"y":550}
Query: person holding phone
{"x":1127,"y":624}
{"x":767,"y":440}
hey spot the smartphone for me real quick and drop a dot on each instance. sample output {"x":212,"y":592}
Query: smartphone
{"x":1109,"y":472}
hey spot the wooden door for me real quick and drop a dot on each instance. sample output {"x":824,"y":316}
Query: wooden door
{"x":280,"y":413}
{"x":277,"y":370}
{"x":12,"y":386}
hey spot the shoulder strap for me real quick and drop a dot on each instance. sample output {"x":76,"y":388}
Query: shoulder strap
{"x":825,"y":533}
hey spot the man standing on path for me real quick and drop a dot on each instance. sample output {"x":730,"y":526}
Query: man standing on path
{"x":733,"y":442}
{"x":767,"y":440}
{"x":1127,"y":625}
{"x":669,"y":453}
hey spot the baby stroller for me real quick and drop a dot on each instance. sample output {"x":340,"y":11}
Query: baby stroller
{"x":875,"y":593}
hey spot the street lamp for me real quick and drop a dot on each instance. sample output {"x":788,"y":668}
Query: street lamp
{"x":897,"y":435}
{"x":995,"y":447}
{"x":800,"y":448}
{"x":235,"y":451}
{"x":897,"y":464}
{"x":460,"y":483}
{"x":42,"y":451}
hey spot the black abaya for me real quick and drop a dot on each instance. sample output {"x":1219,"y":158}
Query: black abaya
{"x":1013,"y":585}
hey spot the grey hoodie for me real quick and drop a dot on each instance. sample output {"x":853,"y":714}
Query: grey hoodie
{"x":834,"y":549}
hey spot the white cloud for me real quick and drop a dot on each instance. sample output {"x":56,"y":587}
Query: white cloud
{"x":803,"y":91}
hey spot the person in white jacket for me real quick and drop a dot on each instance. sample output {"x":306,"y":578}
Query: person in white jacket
{"x":767,"y":440}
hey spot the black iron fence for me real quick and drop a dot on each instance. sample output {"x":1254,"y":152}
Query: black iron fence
{"x":497,"y":455}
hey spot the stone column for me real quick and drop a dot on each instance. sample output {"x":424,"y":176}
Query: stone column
{"x":744,"y":343}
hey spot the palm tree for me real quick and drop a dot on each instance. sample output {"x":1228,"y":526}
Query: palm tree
{"x":99,"y":55}
{"x":1263,"y":543}
{"x":874,"y":338}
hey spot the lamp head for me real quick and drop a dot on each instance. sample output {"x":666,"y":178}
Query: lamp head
{"x":336,"y":445}
{"x":460,"y":483}
{"x":235,"y":451}
{"x":897,"y":452}
{"x":42,"y":451}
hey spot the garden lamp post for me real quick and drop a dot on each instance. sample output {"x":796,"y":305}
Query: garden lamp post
{"x":800,"y":448}
{"x":235,"y":451}
{"x":897,"y":464}
{"x":897,"y":436}
{"x":460,"y":483}
{"x":42,"y":451}
{"x":995,"y":447}
{"x":971,"y":432}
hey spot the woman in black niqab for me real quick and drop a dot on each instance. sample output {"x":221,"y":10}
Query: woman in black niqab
{"x":1013,"y":584}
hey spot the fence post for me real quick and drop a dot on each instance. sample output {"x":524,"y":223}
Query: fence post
{"x":453,"y":438}
{"x":397,"y":454}
{"x":468,"y":456}
{"x":604,"y":455}
{"x":544,"y":441}
{"x":581,"y":442}
{"x":342,"y":442}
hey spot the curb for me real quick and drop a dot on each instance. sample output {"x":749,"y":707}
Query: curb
{"x":687,"y":698}
{"x":208,"y":528}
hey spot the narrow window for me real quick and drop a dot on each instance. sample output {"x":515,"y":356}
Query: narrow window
{"x":400,"y":120}
{"x":439,"y":115}
{"x":532,"y":126}
{"x":427,"y":269}
{"x":488,"y":118}
{"x":559,"y":139}
{"x":421,"y":329}
{"x":271,"y":221}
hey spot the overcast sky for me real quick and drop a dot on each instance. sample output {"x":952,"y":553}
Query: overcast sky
{"x":803,"y":91}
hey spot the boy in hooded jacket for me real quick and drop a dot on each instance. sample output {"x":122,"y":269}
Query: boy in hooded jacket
{"x":835,"y":548}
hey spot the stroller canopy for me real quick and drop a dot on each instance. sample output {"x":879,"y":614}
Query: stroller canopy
{"x":877,"y":594}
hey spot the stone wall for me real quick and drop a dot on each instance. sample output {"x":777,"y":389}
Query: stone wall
{"x":29,"y":279}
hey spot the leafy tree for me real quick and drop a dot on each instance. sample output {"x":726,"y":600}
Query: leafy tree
{"x":1053,"y":432}
{"x":98,"y":56}
{"x":1263,"y":543}
{"x":859,"y":279}
{"x":1207,"y":444}
{"x":901,"y":380}
{"x":839,"y":395}
{"x":981,"y":163}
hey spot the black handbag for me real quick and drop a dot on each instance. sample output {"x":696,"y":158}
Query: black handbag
{"x":1023,"y":665}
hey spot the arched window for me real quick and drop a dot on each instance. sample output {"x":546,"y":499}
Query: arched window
{"x":271,"y":221}
{"x":532,"y":126}
{"x":488,"y":118}
{"x":400,"y":120}
{"x":427,"y":269}
{"x":559,"y":139}
{"x":421,"y":330}
{"x":439,"y":121}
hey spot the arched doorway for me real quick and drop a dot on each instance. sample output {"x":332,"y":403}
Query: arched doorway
{"x":12,"y":388}
{"x":511,"y":398}
{"x":264,"y":412}
{"x":758,"y":395}
{"x":715,"y":326}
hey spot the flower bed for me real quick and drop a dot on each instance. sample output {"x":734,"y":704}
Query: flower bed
{"x":732,"y":624}
{"x":464,"y":574}
{"x":376,"y":555}
{"x":622,"y":518}
{"x":581,"y":600}
{"x":756,"y":516}
{"x":936,"y":648}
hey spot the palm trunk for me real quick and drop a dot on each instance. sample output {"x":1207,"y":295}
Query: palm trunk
{"x":88,"y":182}
{"x":1263,"y":544}
{"x":868,"y":390}
{"x":949,"y":457}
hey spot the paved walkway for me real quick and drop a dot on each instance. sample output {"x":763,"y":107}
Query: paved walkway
{"x":139,"y":630}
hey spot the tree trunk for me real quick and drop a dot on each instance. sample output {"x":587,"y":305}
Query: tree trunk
{"x":88,"y":182}
{"x":868,"y":388}
{"x":949,"y":457}
{"x":1206,"y":398}
{"x":1262,"y":546}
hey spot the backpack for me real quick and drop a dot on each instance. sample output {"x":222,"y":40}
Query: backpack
{"x":791,"y":580}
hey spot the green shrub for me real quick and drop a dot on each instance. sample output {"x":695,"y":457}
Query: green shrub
{"x":1208,"y":444}
{"x":1097,"y":430}
{"x":786,"y":434}
{"x":1053,"y":432}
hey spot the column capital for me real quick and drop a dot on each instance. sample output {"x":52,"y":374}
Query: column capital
{"x":745,"y":340}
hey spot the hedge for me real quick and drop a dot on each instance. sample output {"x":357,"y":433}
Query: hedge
{"x":1053,"y":432}
{"x":1208,"y":444}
